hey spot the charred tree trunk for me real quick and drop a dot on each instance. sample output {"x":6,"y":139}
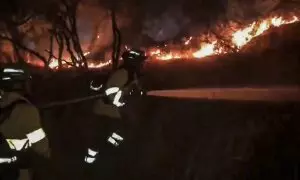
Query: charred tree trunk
{"x":16,"y":37}
{"x":70,"y":26}
{"x":50,"y":48}
{"x":69,"y":49}
{"x":20,"y":46}
{"x":116,"y":37}
{"x":60,"y":42}
{"x":77,"y":46}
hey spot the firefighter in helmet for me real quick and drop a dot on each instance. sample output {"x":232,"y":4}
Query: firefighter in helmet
{"x":23,"y":142}
{"x":120,"y":84}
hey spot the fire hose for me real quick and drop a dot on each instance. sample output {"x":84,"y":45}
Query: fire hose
{"x":71,"y":101}
{"x":269,"y":94}
{"x":266,"y":94}
{"x":76,"y":100}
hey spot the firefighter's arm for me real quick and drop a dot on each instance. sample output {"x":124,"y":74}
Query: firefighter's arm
{"x":36,"y":135}
{"x":136,"y":87}
{"x":39,"y":150}
{"x":132,"y":87}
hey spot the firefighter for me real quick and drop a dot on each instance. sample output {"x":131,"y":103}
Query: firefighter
{"x":111,"y":131}
{"x":23,"y":142}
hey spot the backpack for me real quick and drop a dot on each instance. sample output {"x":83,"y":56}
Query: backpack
{"x":131,"y":76}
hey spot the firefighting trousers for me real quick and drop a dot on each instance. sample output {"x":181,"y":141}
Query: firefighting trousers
{"x":108,"y":142}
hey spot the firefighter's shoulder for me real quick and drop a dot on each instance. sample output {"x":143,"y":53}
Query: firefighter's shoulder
{"x":23,"y":119}
{"x":28,"y":117}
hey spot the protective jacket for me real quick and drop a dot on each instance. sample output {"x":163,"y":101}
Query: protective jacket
{"x":23,"y":133}
{"x":119,"y":85}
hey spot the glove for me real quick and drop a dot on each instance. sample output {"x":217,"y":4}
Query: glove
{"x":8,"y":160}
{"x":9,"y":171}
{"x":17,"y":159}
{"x":144,"y":92}
{"x":7,"y":156}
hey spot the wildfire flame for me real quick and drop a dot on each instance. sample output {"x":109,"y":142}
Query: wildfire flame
{"x":238,"y":39}
{"x":206,"y":50}
{"x":67,"y":63}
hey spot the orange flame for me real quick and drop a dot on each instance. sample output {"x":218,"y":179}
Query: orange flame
{"x":239,"y":38}
{"x":242,"y":37}
{"x":68,"y":63}
{"x":206,"y":50}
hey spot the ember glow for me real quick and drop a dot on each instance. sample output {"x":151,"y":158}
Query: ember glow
{"x":67,"y":63}
{"x":206,"y":50}
{"x":238,"y":38}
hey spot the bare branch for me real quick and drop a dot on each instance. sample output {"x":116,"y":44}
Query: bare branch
{"x":224,"y":42}
{"x":18,"y":44}
{"x":51,"y":48}
{"x":22,"y":21}
{"x":67,"y":40}
{"x":63,"y":60}
{"x":60,"y":42}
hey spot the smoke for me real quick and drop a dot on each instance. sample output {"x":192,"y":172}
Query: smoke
{"x":167,"y":26}
{"x":249,"y":10}
{"x":155,"y":20}
{"x":95,"y":29}
{"x":164,"y":21}
{"x":172,"y":19}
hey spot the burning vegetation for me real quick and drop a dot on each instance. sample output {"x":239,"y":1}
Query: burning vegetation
{"x":63,"y":48}
{"x":236,"y":39}
{"x":208,"y":44}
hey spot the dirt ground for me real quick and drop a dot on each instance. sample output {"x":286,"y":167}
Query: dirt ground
{"x":184,"y":139}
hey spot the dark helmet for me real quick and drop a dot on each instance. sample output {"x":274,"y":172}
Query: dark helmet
{"x":14,"y":78}
{"x":134,"y":57}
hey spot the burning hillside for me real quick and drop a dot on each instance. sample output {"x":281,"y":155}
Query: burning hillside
{"x":235,"y":38}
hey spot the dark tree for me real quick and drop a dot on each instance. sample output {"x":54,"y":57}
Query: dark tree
{"x":14,"y":14}
{"x":61,"y":18}
{"x":117,"y":36}
{"x":112,"y":5}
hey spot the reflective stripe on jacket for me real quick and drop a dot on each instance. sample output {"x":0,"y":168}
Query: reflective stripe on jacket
{"x":22,"y":129}
{"x":113,"y":89}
